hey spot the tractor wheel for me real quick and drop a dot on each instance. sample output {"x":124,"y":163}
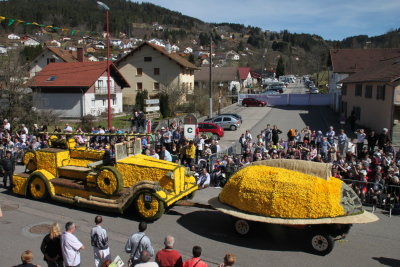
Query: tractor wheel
{"x":37,"y":188}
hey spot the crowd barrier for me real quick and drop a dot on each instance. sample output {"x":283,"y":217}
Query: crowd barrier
{"x":377,"y":195}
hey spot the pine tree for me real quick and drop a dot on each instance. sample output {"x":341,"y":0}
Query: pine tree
{"x":280,"y":68}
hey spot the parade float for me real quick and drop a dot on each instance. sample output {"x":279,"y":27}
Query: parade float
{"x":82,"y":177}
{"x":293,"y":193}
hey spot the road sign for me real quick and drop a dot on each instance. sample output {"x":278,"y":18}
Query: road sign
{"x":190,"y":119}
{"x":150,"y":109}
{"x":190,"y":131}
{"x":154,"y":115}
{"x":152,"y":101}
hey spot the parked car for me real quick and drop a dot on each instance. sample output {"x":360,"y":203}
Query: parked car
{"x":234,"y":115}
{"x":314,"y":90}
{"x":209,"y":127}
{"x":247,"y":102}
{"x":270,"y":92}
{"x":225,"y":122}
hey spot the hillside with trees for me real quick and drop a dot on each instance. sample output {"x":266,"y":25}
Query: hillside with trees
{"x":301,"y":53}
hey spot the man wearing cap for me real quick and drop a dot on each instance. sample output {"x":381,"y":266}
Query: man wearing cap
{"x":7,"y":168}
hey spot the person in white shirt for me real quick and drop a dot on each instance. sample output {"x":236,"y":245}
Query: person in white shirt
{"x":6,"y":125}
{"x":99,"y":241}
{"x":153,"y":154}
{"x":360,"y":140}
{"x":204,"y":179}
{"x":67,"y":129}
{"x":71,"y":246}
{"x":23,"y":128}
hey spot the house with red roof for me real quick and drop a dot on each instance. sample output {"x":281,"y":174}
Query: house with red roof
{"x":346,"y":62}
{"x":373,"y":95}
{"x":76,"y":89}
{"x":52,"y":55}
{"x":246,"y":81}
{"x":152,"y":68}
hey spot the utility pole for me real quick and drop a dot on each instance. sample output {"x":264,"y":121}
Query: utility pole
{"x":211,"y":86}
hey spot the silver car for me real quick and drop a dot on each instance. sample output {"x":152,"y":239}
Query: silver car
{"x":226,"y":122}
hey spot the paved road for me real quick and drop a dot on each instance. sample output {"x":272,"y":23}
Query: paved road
{"x":367,"y":245}
{"x":296,"y":88}
{"x":268,"y":245}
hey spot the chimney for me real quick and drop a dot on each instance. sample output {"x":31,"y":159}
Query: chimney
{"x":79,"y":54}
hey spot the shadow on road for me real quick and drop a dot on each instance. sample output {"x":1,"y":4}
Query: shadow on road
{"x":217,"y":226}
{"x":387,"y":261}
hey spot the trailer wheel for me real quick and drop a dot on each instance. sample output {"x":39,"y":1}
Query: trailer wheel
{"x":321,"y":243}
{"x":148,"y":206}
{"x":242,"y":227}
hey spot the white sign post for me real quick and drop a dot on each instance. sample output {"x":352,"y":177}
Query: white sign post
{"x":190,"y":131}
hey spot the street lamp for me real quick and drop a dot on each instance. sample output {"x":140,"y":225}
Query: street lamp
{"x":220,"y":97}
{"x":106,"y":8}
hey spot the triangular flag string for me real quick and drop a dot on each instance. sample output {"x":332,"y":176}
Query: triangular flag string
{"x":16,"y":22}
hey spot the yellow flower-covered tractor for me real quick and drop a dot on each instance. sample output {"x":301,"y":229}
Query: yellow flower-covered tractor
{"x":294,"y":193}
{"x":78,"y":176}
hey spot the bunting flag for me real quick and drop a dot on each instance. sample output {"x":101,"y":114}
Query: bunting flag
{"x":16,"y":22}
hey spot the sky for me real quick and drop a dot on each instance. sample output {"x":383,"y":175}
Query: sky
{"x":331,"y":19}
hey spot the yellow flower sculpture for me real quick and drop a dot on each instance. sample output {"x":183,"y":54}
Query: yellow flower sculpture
{"x":30,"y":160}
{"x":19,"y":184}
{"x":281,"y":193}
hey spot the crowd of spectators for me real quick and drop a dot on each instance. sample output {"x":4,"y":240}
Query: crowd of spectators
{"x":64,"y":249}
{"x":366,"y":157}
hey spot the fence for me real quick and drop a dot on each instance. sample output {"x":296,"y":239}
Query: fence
{"x":291,"y":99}
{"x":377,"y":195}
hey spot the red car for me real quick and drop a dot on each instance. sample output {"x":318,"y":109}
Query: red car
{"x":247,"y":102}
{"x":209,"y":127}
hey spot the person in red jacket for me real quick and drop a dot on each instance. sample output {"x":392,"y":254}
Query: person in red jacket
{"x":195,"y":261}
{"x":169,"y":257}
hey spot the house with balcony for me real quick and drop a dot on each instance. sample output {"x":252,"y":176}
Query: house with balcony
{"x":152,"y":68}
{"x":76,"y":89}
{"x":373,"y":94}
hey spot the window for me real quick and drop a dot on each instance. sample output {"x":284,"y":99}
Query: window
{"x":227,"y":119}
{"x":368,"y":91}
{"x":139,"y":71}
{"x":344,"y":89}
{"x":139,"y":86}
{"x":104,"y":102}
{"x":156,"y":71}
{"x":156,"y":86}
{"x":357,"y":112}
{"x":147,"y":59}
{"x":52,"y":78}
{"x":380,"y":92}
{"x":51,"y":60}
{"x":114,"y":101}
{"x":93,"y":102}
{"x":218,"y":120}
{"x":100,"y":83}
{"x":358,"y":91}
